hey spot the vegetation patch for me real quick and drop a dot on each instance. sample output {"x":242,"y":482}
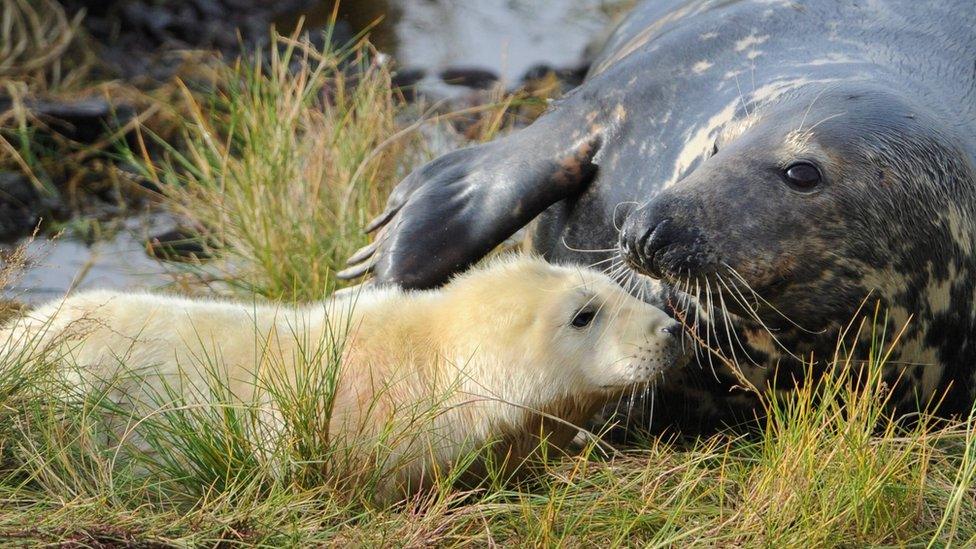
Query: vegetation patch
{"x":275,"y":168}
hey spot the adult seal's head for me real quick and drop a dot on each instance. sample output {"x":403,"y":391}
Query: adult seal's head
{"x":813,"y":204}
{"x":809,"y":204}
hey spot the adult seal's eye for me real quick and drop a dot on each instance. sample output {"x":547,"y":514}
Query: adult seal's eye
{"x":583,"y":318}
{"x":803,"y":176}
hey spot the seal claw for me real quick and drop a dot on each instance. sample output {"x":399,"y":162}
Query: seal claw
{"x":364,"y":253}
{"x":357,"y":271}
{"x":379,"y":221}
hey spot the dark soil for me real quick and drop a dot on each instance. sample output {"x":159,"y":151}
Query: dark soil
{"x":138,"y":36}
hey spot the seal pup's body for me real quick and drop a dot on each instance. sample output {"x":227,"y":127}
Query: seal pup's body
{"x":511,"y":351}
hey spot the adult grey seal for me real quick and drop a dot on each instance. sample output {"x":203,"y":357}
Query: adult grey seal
{"x":783,"y":160}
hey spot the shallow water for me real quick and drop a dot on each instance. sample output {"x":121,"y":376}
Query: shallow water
{"x":119,"y":261}
{"x":506,"y":36}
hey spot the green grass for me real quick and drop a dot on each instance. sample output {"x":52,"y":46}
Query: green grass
{"x":278,"y":168}
{"x":280,"y":165}
{"x":829,"y":469}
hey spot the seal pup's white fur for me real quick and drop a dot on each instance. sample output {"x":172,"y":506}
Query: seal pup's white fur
{"x":495,"y":352}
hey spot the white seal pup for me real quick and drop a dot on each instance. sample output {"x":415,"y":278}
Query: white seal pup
{"x":510,"y":352}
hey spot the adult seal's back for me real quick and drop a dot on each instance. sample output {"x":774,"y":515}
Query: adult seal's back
{"x":780,"y":161}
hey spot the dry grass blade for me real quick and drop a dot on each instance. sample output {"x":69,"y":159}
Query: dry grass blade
{"x":36,"y":37}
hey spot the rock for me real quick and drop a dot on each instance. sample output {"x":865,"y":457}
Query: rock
{"x":21,"y":205}
{"x":86,"y":121}
{"x":208,"y":8}
{"x":131,"y":32}
{"x":469,"y":77}
{"x":178,"y":244}
{"x":405,"y":81}
{"x":569,"y":77}
{"x":16,"y":188}
{"x":137,"y":177}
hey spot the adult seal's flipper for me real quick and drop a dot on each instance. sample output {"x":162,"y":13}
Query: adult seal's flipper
{"x":451,"y":212}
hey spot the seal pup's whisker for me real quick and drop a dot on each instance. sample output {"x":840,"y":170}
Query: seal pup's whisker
{"x":616,"y":308}
{"x":636,"y":284}
{"x":632,"y":283}
{"x":609,"y":260}
{"x":618,"y":270}
{"x":620,"y":265}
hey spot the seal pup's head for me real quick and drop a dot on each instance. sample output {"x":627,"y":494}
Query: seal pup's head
{"x":571,"y":325}
{"x":526,"y":353}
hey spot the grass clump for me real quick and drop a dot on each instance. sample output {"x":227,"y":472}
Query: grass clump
{"x":278,"y":168}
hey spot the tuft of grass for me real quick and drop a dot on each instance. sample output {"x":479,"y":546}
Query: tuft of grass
{"x":36,"y":49}
{"x":278,"y":168}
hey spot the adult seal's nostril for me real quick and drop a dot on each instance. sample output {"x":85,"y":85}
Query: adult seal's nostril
{"x":623,"y":241}
{"x":657,"y":238}
{"x":642,"y":252}
{"x":627,"y":241}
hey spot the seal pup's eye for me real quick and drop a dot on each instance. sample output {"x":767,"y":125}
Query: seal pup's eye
{"x":803,"y":176}
{"x":583,"y":318}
